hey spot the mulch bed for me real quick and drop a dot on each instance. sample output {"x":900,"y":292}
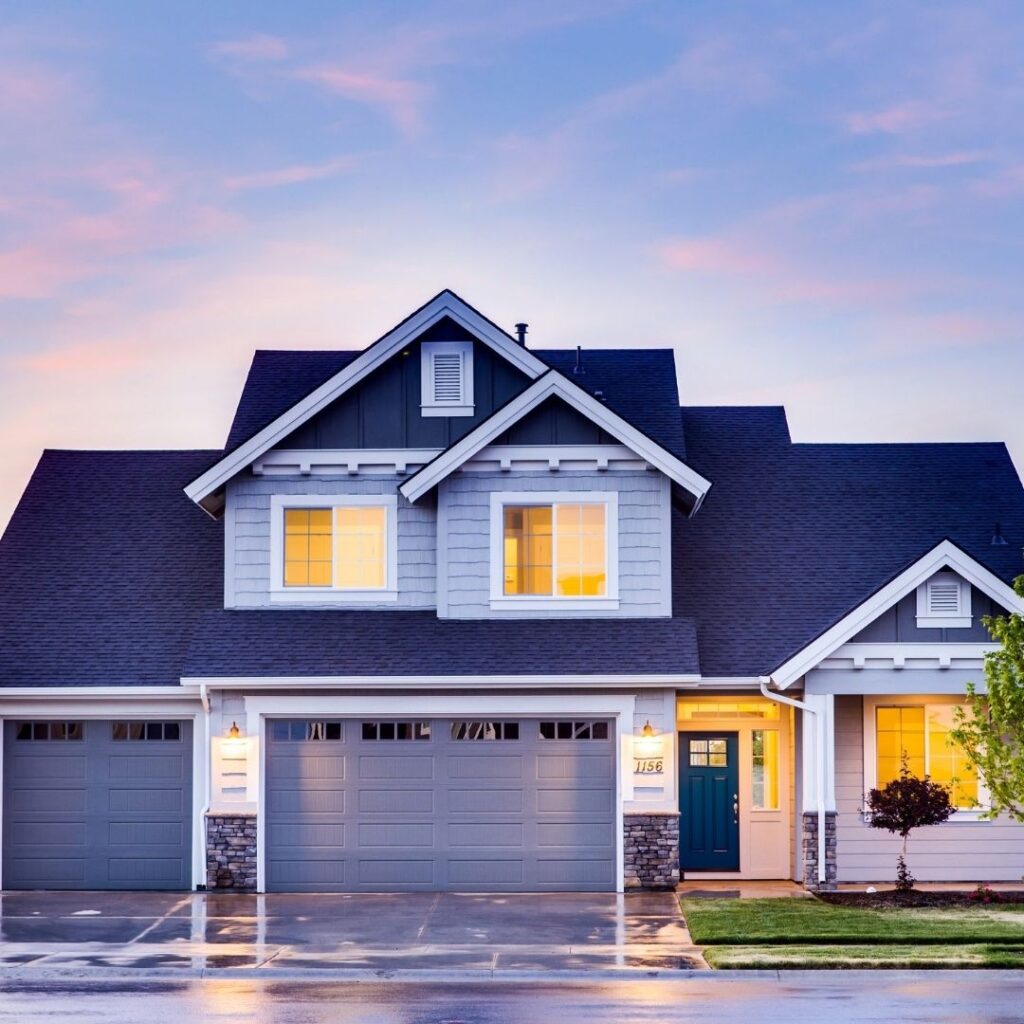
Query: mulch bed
{"x":886,"y":899}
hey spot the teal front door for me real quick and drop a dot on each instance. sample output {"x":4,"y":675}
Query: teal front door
{"x":709,"y":821}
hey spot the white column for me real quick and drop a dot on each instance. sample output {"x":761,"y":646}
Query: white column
{"x":824,"y":718}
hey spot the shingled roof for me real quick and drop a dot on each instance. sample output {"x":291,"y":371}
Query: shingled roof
{"x":792,"y":537}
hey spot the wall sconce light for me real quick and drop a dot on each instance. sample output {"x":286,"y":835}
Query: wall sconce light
{"x":648,"y":744}
{"x":234,"y":744}
{"x":234,"y":732}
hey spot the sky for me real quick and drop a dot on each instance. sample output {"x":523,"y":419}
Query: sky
{"x":815,"y":204}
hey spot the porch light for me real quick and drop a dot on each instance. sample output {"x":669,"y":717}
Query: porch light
{"x":648,"y":744}
{"x":234,"y":744}
{"x":234,"y":733}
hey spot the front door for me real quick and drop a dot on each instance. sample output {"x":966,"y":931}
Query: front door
{"x":709,"y":823}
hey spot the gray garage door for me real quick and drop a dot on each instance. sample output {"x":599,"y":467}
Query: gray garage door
{"x":465,"y":805}
{"x":97,"y":805}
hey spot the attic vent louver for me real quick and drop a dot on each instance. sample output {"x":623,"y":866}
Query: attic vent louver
{"x":447,"y":378}
{"x":944,"y":602}
{"x":943,"y":597}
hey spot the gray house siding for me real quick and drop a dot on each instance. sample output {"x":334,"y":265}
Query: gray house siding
{"x":247,"y":516}
{"x":383,"y":411}
{"x":644,"y":545}
{"x":958,"y":851}
{"x":555,"y":422}
{"x":899,"y":624}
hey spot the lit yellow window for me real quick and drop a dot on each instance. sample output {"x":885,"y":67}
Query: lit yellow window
{"x":765,"y":769}
{"x":921,"y":733}
{"x":307,"y":547}
{"x":360,"y":559}
{"x":555,"y":550}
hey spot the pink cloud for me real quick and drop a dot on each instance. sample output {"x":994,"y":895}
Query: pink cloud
{"x":895,"y":120}
{"x":402,"y":100}
{"x":28,"y":91}
{"x":293,"y":175}
{"x":957,"y":158}
{"x":716,"y":256}
{"x":1003,"y":184}
{"x":257,"y":47}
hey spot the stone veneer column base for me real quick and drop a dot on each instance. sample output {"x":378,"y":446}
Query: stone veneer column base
{"x":651,"y":850}
{"x":810,"y":851}
{"x":231,"y":851}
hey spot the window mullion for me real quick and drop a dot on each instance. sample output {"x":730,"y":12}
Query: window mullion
{"x":554,"y":548}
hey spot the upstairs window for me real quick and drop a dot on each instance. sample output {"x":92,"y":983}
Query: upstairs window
{"x":335,"y":548}
{"x":447,"y":378}
{"x":555,"y":550}
{"x":944,"y":602}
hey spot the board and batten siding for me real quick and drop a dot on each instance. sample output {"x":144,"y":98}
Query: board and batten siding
{"x":957,"y":851}
{"x":645,"y":557}
{"x":247,"y":532}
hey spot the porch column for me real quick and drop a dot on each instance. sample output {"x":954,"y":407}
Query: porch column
{"x":819,"y":776}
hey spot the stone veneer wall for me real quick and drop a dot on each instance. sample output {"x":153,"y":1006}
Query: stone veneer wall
{"x":651,"y":850}
{"x":810,"y":850}
{"x":231,"y":851}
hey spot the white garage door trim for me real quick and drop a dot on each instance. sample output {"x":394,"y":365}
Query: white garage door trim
{"x":158,"y":708}
{"x":618,"y":707}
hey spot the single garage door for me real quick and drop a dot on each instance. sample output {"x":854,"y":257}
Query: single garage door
{"x":97,"y":805}
{"x":452,"y":805}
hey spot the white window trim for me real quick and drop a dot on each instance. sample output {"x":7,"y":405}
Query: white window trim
{"x":871,"y":704}
{"x":960,"y":619}
{"x":429,"y":405}
{"x":500,"y":601}
{"x":279,"y":593}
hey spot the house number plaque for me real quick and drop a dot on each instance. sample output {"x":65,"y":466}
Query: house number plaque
{"x":648,"y":765}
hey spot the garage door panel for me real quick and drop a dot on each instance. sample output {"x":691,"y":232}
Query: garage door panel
{"x":392,"y":801}
{"x":490,"y":873}
{"x":297,"y":801}
{"x":482,"y":766}
{"x":470,"y":834}
{"x":396,"y":872}
{"x":396,"y":836}
{"x":310,"y":769}
{"x":306,"y":835}
{"x":578,"y":801}
{"x":97,"y":805}
{"x":376,"y":766}
{"x":573,"y":834}
{"x":480,"y":800}
{"x":569,"y":872}
{"x":581,"y":768}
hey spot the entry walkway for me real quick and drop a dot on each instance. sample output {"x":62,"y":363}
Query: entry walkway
{"x":87,"y":934}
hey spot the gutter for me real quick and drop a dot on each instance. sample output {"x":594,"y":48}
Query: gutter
{"x":819,"y":757}
{"x":204,"y":696}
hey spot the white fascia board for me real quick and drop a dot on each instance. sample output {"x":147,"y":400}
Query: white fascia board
{"x":447,"y":304}
{"x":554,"y":384}
{"x":544,"y":682}
{"x":66,"y":693}
{"x":944,"y":555}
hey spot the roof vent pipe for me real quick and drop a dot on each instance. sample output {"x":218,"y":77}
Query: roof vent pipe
{"x":997,"y":537}
{"x":578,"y":368}
{"x":521,"y":334}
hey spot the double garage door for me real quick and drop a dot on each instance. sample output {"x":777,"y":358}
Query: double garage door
{"x":97,"y":805}
{"x":452,"y":804}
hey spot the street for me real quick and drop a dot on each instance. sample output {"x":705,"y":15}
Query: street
{"x":854,"y":997}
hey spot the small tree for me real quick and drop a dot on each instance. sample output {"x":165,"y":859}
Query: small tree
{"x":990,"y":727}
{"x":904,"y":804}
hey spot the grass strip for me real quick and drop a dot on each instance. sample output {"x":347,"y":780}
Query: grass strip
{"x":979,"y":956}
{"x":734,"y":922}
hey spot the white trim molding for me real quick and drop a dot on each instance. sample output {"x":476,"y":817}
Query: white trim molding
{"x":907,"y":656}
{"x":944,"y":555}
{"x":619,"y":707}
{"x":554,"y":384}
{"x":206,"y":490}
{"x":539,"y":458}
{"x":500,"y":601}
{"x":461,"y":355}
{"x":280,"y":594}
{"x":342,"y":461}
{"x":467,"y":682}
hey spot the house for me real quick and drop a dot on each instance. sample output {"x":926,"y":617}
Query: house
{"x":455,"y":613}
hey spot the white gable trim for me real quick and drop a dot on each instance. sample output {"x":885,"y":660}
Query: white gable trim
{"x":447,"y":304}
{"x":944,"y":555}
{"x":554,"y":384}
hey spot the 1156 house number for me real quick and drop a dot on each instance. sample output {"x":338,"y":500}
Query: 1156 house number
{"x":648,"y":765}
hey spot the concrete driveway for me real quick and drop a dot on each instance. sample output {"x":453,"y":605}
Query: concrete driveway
{"x":282,"y":935}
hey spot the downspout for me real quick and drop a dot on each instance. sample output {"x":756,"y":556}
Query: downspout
{"x":819,"y":757}
{"x":204,"y":697}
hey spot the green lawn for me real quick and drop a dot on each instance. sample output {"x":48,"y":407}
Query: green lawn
{"x":811,"y":933}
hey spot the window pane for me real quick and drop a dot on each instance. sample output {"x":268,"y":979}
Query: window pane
{"x":527,"y":550}
{"x":307,"y":547}
{"x":765,"y":769}
{"x":947,"y":763}
{"x":899,"y":732}
{"x":360,"y":547}
{"x":580,"y":544}
{"x":172,"y":731}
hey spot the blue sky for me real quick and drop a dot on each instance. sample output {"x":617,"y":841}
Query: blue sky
{"x":820,"y":205}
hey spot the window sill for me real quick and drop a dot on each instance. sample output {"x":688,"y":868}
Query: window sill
{"x":965,"y":817}
{"x":317,"y":596}
{"x":554,"y":604}
{"x":447,"y":410}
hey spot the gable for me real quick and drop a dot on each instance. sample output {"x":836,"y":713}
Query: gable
{"x":554,"y":421}
{"x":384,"y":409}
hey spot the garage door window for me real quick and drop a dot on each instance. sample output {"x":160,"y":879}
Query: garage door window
{"x":485,"y":730}
{"x":573,"y":730}
{"x":396,"y":730}
{"x":46,"y":731}
{"x":123,"y":732}
{"x":306,"y":730}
